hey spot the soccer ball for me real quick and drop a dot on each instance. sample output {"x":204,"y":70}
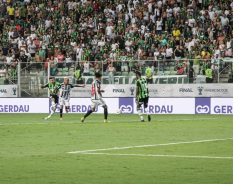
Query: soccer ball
{"x":119,"y":111}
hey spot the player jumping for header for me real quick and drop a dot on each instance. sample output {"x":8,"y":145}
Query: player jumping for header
{"x":96,"y":98}
{"x":142,"y":96}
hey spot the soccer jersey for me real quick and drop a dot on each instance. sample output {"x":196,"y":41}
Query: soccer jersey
{"x":142,"y":86}
{"x":53,"y":88}
{"x":95,"y":90}
{"x":65,"y":91}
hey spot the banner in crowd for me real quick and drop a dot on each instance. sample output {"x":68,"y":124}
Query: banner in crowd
{"x":110,"y":90}
{"x":163,"y":79}
{"x":161,"y":90}
{"x":192,"y":90}
{"x":124,"y":105}
{"x":8,"y":91}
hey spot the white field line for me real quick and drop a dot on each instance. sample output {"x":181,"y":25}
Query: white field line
{"x":185,"y":119}
{"x":43,"y":122}
{"x":150,"y":145}
{"x":152,"y":155}
{"x":53,"y":121}
{"x":12,"y":124}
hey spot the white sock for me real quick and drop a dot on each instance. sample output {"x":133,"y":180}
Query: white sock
{"x":54,"y":107}
{"x":140,"y":114}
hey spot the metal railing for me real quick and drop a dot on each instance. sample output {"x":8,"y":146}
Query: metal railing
{"x":31,"y":75}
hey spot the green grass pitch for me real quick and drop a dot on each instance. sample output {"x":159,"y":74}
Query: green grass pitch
{"x":172,"y":149}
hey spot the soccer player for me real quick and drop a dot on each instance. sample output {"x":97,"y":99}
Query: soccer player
{"x":53,"y":87}
{"x":96,"y":98}
{"x":142,"y":96}
{"x":64,"y":96}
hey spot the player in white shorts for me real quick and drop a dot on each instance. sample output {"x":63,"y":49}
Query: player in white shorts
{"x":96,"y":98}
{"x":64,"y":96}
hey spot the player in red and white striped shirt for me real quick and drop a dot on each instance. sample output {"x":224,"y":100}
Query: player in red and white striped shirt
{"x":96,"y":98}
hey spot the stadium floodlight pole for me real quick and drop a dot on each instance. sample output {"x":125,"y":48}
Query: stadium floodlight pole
{"x":19,"y":79}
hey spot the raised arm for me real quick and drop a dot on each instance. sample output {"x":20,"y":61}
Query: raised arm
{"x":78,"y":85}
{"x":45,"y":86}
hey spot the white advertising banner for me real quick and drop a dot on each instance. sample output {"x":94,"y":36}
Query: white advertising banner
{"x":8,"y":91}
{"x":222,"y":106}
{"x":24,"y":105}
{"x":81,"y":92}
{"x":82,"y":105}
{"x":120,"y":90}
{"x":192,"y":90}
{"x":162,"y":79}
{"x":161,"y":90}
{"x":171,"y":106}
{"x":124,"y":105}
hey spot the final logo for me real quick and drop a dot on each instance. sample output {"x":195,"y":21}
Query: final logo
{"x":132,"y":90}
{"x":200,"y":89}
{"x":14,"y":90}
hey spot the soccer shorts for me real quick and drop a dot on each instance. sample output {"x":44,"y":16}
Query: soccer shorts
{"x":54,"y":98}
{"x":64,"y":101}
{"x":97,"y":102}
{"x":142,"y":101}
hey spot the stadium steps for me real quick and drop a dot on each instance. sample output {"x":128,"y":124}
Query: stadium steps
{"x":225,"y":75}
{"x":2,"y":81}
{"x":30,"y":85}
{"x":224,"y":78}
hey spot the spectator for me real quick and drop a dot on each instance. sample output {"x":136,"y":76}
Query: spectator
{"x":53,"y":65}
{"x":104,"y":29}
{"x":169,"y":53}
{"x":209,"y":74}
{"x":3,"y":71}
{"x":78,"y":74}
{"x":191,"y":74}
{"x":11,"y":11}
{"x":60,"y":59}
{"x":111,"y":71}
{"x":149,"y":75}
{"x":31,"y":48}
{"x":178,"y":52}
{"x":10,"y":60}
{"x":86,"y":68}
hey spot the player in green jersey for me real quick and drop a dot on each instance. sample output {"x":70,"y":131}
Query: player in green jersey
{"x":53,"y":88}
{"x":142,"y":96}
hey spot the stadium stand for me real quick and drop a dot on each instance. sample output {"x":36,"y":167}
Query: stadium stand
{"x":170,"y":36}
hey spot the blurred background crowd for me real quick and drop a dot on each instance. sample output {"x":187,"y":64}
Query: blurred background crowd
{"x":116,"y":36}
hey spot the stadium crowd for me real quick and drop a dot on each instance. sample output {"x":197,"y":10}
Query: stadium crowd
{"x":138,"y":33}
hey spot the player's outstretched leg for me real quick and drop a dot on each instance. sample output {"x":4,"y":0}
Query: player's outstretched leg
{"x":140,"y":112}
{"x":140,"y":115}
{"x":61,"y":112}
{"x":148,"y":115}
{"x":67,"y":109}
{"x":146,"y":109}
{"x":53,"y":109}
{"x":105,"y":113}
{"x":86,"y":115}
{"x":49,"y":116}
